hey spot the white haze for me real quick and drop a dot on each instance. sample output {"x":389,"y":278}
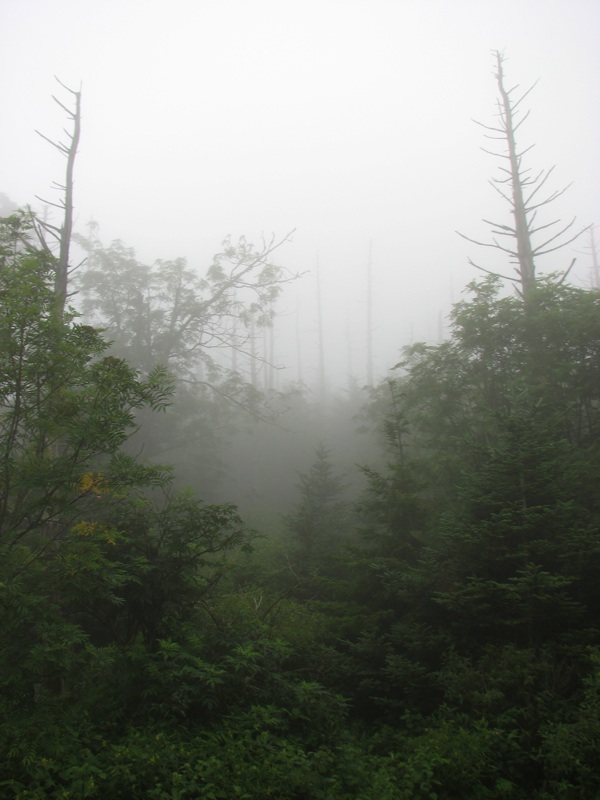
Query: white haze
{"x":348,"y":121}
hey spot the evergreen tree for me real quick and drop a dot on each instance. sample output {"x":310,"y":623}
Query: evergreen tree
{"x":319,"y":521}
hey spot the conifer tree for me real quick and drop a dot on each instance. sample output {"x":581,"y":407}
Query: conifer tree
{"x":318,"y":519}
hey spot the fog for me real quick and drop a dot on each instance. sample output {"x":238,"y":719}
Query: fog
{"x":349,"y":123}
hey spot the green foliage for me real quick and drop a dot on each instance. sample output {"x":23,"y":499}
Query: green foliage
{"x":320,"y":518}
{"x":94,"y":567}
{"x":66,"y":407}
{"x":65,"y":410}
{"x":448,"y":650}
{"x":501,"y":355}
{"x":480,"y":546}
{"x":570,"y":748}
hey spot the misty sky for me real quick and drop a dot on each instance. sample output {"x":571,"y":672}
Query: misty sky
{"x":347,"y":120}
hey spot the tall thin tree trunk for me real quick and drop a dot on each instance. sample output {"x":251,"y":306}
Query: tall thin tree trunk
{"x":265,"y":359}
{"x":298,"y":343}
{"x":522,"y":233}
{"x":349,"y":347}
{"x":64,"y":233}
{"x":272,"y":350}
{"x":322,"y":382}
{"x":234,"y":354}
{"x":253,"y":371}
{"x":595,"y":264}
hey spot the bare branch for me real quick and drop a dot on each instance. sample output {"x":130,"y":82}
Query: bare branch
{"x":49,"y":203}
{"x":491,"y":153}
{"x":68,"y":89}
{"x":520,"y":100}
{"x":495,"y":274}
{"x":566,"y":272}
{"x":563,"y":244}
{"x":474,"y":241}
{"x":533,"y":230}
{"x":552,"y":197}
{"x":500,"y":192}
{"x":521,"y":121}
{"x":499,"y":226}
{"x":67,"y":111}
{"x":59,"y":146}
{"x":510,"y":252}
{"x":527,"y":149}
{"x":556,"y":235}
{"x":488,"y":127}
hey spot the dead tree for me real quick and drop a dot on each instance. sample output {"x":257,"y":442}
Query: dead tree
{"x":62,"y":233}
{"x":595,"y":276}
{"x":521,"y":190}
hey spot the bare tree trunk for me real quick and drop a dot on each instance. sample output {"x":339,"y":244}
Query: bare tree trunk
{"x":595,"y":265}
{"x":234,"y":361}
{"x":271,"y":364}
{"x":349,"y":347}
{"x":253,"y":370}
{"x":63,"y":234}
{"x":522,"y":233}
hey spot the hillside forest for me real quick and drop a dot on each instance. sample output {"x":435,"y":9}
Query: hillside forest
{"x":214,"y":587}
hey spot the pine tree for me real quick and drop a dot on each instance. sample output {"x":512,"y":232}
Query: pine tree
{"x":318,"y":521}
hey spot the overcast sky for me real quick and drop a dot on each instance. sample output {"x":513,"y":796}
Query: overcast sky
{"x":347,"y":120}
